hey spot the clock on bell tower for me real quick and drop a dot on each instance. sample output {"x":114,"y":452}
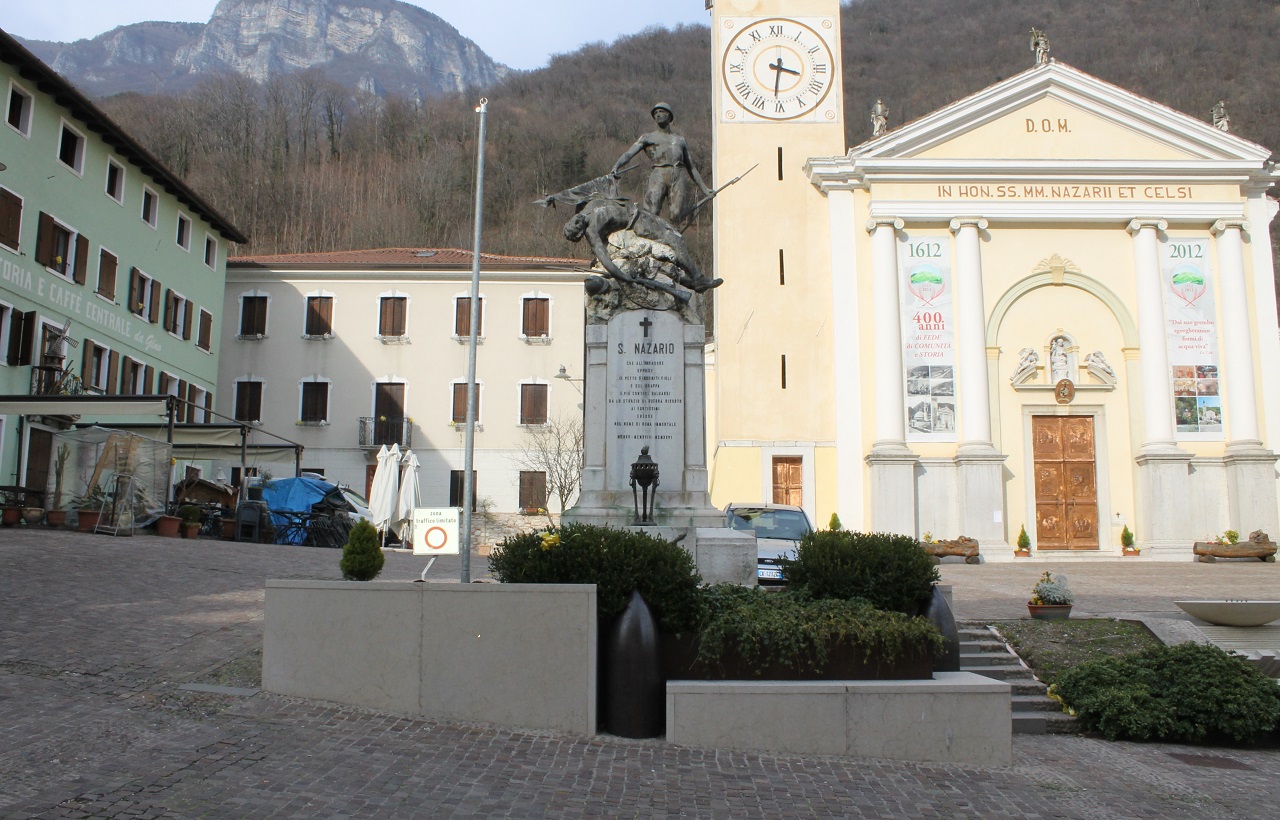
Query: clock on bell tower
{"x":778,"y":96}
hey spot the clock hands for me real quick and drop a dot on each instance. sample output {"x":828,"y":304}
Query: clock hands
{"x":778,"y":68}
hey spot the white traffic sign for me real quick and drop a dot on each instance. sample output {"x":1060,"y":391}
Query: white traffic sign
{"x":435,"y":530}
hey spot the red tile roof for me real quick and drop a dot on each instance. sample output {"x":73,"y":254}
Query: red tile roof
{"x":420,"y":258}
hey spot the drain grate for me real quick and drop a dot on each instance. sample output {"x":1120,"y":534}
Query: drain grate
{"x":1211,"y":762}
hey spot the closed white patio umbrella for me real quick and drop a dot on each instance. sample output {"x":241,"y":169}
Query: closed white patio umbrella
{"x":408,"y":498}
{"x":384,"y":492}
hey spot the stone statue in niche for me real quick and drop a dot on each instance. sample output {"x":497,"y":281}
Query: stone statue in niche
{"x":1028,"y":366}
{"x":1059,"y":362}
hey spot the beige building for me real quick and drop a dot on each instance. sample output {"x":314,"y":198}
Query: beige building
{"x":1049,"y":304}
{"x":354,"y":349}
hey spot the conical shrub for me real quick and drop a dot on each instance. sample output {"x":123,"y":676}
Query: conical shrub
{"x":362,"y":556}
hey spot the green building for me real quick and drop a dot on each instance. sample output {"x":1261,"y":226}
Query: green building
{"x":112,"y":270}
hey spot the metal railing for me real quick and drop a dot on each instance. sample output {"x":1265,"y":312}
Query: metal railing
{"x":377,"y":431}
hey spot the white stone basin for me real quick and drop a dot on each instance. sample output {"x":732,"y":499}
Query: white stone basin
{"x":1232,"y":613}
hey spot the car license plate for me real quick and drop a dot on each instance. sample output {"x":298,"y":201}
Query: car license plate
{"x":771,"y":573}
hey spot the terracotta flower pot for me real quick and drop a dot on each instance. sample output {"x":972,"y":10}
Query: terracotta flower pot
{"x":86,"y":520}
{"x":167,"y":526}
{"x":11,"y":516}
{"x":1022,"y":553}
{"x":191,"y":529}
{"x":1130,"y":551}
{"x":56,"y":518}
{"x":1049,"y":612}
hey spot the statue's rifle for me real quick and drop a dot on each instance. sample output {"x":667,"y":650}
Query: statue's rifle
{"x":694,"y":210}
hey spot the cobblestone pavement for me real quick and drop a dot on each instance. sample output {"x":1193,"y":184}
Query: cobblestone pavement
{"x":97,"y":634}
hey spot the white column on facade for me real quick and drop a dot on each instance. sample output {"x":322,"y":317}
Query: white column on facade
{"x":973,"y":392}
{"x":1237,"y":371}
{"x":1157,"y":412}
{"x":891,"y":410}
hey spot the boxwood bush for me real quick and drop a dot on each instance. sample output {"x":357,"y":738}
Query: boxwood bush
{"x":362,"y":557}
{"x":792,"y":630}
{"x":616,"y":561}
{"x":891,"y":572}
{"x":1190,"y":693}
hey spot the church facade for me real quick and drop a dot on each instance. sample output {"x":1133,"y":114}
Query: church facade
{"x":1050,"y":304}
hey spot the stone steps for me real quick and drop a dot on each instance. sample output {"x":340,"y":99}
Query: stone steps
{"x":1033,"y":712}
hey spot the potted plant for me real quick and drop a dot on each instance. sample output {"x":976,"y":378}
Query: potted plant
{"x":167,"y":526}
{"x":1024,"y":544}
{"x":57,"y":517}
{"x":11,"y":516}
{"x":1127,"y":545}
{"x":89,"y":508}
{"x":1051,"y":598}
{"x":190,"y":516}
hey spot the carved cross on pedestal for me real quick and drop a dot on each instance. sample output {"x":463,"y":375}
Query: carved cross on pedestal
{"x":646,"y":324}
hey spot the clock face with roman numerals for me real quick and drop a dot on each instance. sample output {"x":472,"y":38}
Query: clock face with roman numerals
{"x":775,"y":69}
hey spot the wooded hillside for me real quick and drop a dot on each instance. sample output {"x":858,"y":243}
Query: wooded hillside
{"x":302,"y":164}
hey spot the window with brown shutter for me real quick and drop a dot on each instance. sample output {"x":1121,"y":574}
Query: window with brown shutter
{"x":319,"y":316}
{"x":208,"y":407}
{"x":107,"y":263}
{"x":44,"y":240}
{"x":10,"y":219}
{"x":182,"y":395}
{"x":113,"y":371}
{"x":135,"y":292}
{"x":170,"y":311}
{"x":533,"y":490}
{"x":129,"y":377}
{"x":253,"y":316}
{"x":154,"y":315}
{"x":87,"y":363}
{"x":460,"y":402}
{"x":315,"y":402}
{"x":205,"y":340}
{"x":81,"y":266}
{"x":248,"y":401}
{"x":187,"y":310}
{"x":22,"y":338}
{"x":533,"y":404}
{"x":391,"y":316}
{"x":537,"y":317}
{"x":462,"y":317}
{"x":148,"y":379}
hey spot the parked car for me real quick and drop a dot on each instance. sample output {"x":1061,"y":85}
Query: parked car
{"x":778,"y":529}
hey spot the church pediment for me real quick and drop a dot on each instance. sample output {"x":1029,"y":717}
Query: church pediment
{"x":1057,"y":113}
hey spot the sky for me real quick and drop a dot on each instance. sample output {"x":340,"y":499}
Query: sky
{"x":519,"y":33}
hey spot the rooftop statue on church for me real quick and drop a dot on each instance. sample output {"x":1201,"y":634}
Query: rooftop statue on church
{"x":879,"y":118}
{"x":1220,"y":119}
{"x":1040,"y":46}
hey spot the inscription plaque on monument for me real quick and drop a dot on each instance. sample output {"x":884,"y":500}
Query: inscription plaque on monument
{"x":645,"y":391}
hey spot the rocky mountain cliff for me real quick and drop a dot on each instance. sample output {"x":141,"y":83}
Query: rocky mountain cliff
{"x":379,"y":46}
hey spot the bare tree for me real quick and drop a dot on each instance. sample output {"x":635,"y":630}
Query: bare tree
{"x":555,"y":449}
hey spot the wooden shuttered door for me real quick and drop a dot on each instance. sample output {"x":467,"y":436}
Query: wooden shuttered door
{"x":533,"y":490}
{"x":533,"y":404}
{"x":788,"y":480}
{"x":10,"y":219}
{"x":319,"y":315}
{"x":462,"y":317}
{"x":107,"y":264}
{"x":79,"y":273}
{"x":391,"y":319}
{"x":44,"y":240}
{"x":537,"y":317}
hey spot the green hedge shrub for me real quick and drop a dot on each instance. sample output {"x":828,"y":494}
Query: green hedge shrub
{"x":362,"y":557}
{"x":792,"y":630}
{"x":1188,"y":693}
{"x":616,"y":561}
{"x":892,"y":572}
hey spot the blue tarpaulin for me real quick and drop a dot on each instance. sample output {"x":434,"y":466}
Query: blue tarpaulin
{"x":293,"y":495}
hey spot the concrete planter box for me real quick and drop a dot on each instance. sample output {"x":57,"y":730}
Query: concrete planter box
{"x":519,"y":655}
{"x":958,"y":717}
